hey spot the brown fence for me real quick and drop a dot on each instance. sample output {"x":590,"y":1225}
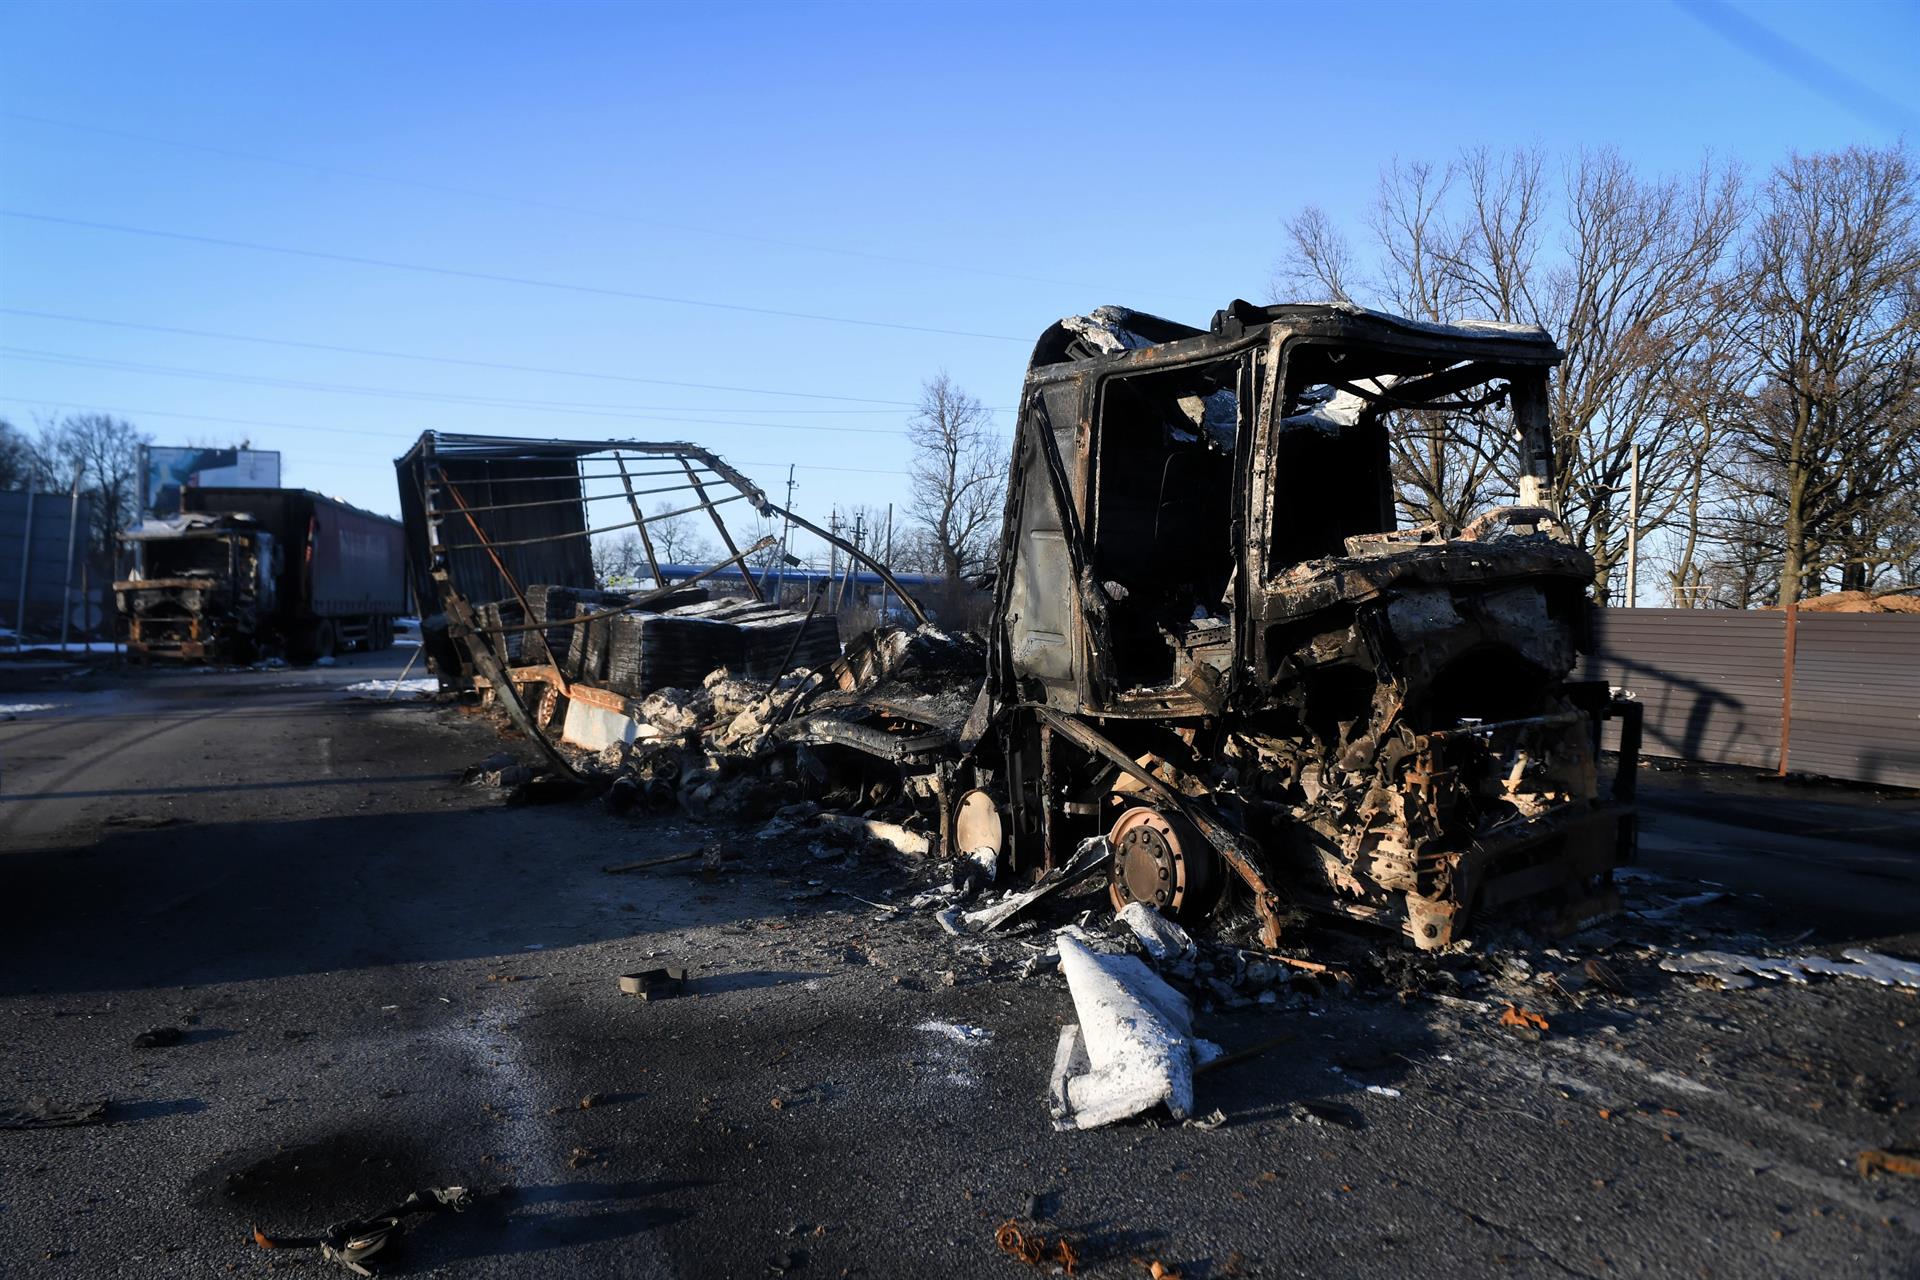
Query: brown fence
{"x":1717,"y":687}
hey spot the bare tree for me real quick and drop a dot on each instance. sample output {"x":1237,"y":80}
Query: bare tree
{"x":959,"y":476}
{"x":1707,"y":397}
{"x":1832,"y":266}
{"x":1633,"y":303}
{"x":1628,"y":289}
{"x":1318,"y":263}
{"x":18,"y":466}
{"x":1443,"y":469}
{"x":617,"y":556}
{"x":678,"y":539}
{"x":105,"y":452}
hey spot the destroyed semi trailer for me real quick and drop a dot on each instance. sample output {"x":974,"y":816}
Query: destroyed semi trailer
{"x":240,"y":572}
{"x":1214,"y":645}
{"x":500,"y":535}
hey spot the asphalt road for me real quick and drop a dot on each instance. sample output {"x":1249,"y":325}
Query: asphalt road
{"x":390,"y":980}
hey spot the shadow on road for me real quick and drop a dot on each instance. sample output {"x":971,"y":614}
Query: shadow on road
{"x":207,"y":902}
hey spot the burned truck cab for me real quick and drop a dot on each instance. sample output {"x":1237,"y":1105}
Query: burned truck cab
{"x":200,"y":584}
{"x":1217,"y":642}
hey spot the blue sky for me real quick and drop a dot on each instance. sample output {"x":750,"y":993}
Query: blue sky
{"x":974,"y":169}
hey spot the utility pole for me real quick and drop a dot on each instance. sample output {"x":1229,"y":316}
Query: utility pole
{"x":859,"y":527}
{"x":887,"y":556}
{"x":786,"y":538}
{"x":833,"y":548}
{"x":1633,"y":525}
{"x":66,"y":570}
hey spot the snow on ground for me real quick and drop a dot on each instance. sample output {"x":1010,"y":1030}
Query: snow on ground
{"x":22,"y":708}
{"x":419,"y":684}
{"x":93,"y":646}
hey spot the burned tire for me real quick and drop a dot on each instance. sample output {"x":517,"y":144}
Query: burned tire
{"x":1161,"y":859}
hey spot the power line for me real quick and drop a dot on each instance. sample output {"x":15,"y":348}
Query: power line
{"x":483,"y":364}
{"x":472,"y":364}
{"x":38,"y":355}
{"x":532,"y":203}
{"x":350,"y":431}
{"x":492,"y":277}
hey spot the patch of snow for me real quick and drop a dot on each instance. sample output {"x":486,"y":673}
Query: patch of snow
{"x":1164,"y":940}
{"x":75,"y":646}
{"x":22,"y":708}
{"x":1737,"y":972}
{"x":418,"y":684}
{"x":958,"y":1032}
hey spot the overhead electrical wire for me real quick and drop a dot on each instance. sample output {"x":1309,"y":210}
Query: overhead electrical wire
{"x":471,"y":364}
{"x":491,"y":277}
{"x":352,"y":431}
{"x":554,"y":206}
{"x":335,"y":348}
{"x":570,"y":407}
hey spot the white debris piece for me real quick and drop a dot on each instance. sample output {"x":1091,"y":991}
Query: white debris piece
{"x":1217,"y":417}
{"x":1088,"y":856}
{"x":1737,"y":972}
{"x":1328,"y":408}
{"x":1133,"y":1048}
{"x":419,"y":684}
{"x":1165,"y":941}
{"x":1105,"y":330}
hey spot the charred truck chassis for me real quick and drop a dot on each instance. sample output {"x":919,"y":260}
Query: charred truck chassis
{"x":1212,"y":645}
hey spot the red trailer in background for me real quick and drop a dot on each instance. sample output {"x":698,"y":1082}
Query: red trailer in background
{"x":245,"y":571}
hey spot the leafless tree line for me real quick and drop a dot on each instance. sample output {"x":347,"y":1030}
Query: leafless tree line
{"x":98,"y":452}
{"x":1757,"y":342}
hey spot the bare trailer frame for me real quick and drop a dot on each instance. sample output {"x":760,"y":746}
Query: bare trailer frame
{"x":487,"y":517}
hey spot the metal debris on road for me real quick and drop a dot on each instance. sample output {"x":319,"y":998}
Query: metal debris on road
{"x":1092,"y":854}
{"x":1904,"y":1163}
{"x":1034,"y":1249}
{"x":654,"y":984}
{"x":351,"y":1243}
{"x":45,"y":1113}
{"x":645,"y":863}
{"x":1523,"y":1020}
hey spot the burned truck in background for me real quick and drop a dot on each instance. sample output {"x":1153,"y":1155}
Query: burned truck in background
{"x":1213,"y":645}
{"x":241,"y":572}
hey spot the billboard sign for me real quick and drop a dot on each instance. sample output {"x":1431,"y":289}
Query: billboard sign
{"x":168,"y":470}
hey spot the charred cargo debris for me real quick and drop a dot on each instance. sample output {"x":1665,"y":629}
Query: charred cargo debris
{"x":673,"y":696}
{"x":1212,"y":645}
